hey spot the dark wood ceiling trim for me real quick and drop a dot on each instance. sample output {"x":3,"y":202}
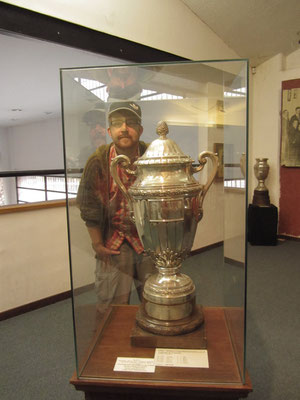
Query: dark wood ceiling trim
{"x":40,"y":26}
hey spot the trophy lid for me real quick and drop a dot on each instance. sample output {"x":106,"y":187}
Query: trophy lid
{"x":163,"y":150}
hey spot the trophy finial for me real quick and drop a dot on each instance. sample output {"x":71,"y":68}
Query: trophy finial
{"x":162,"y":129}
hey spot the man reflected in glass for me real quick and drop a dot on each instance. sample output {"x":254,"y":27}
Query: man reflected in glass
{"x":95,"y":120}
{"x":120,"y":254}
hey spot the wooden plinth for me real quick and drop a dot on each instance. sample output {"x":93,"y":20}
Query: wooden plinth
{"x":222,"y":380}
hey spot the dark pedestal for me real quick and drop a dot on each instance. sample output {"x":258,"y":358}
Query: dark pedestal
{"x":262,"y":225}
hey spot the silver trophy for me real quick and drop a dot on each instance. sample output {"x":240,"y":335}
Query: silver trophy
{"x":261,"y":193}
{"x":166,"y":203}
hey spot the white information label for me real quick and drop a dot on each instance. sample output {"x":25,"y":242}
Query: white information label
{"x":181,"y":358}
{"x":134,"y":364}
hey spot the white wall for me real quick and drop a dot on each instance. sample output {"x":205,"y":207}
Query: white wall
{"x":36,"y":146}
{"x":36,"y":268}
{"x":34,"y":256}
{"x":4,"y":154}
{"x":33,"y":146}
{"x":265,"y":106}
{"x":167,"y":25}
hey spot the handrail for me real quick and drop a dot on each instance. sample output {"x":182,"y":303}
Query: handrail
{"x":32,"y":206}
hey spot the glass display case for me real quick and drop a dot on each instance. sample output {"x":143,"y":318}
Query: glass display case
{"x":157,"y":239}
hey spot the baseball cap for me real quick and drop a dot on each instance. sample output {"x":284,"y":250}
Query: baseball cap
{"x":95,"y":116}
{"x":126,"y":105}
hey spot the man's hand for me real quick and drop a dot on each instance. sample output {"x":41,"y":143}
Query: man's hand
{"x":103,"y":253}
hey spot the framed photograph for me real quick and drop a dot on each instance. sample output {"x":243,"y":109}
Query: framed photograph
{"x":290,"y":123}
{"x":219,"y":150}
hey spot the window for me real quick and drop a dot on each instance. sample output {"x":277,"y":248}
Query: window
{"x":2,"y":201}
{"x":32,"y":189}
{"x":234,"y":183}
{"x":35,"y":186}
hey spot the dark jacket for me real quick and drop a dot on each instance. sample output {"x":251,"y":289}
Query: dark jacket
{"x":93,"y":192}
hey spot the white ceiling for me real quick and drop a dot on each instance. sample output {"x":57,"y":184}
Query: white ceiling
{"x":30,"y":80}
{"x":254,"y":29}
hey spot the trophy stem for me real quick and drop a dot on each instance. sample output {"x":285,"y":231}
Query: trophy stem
{"x":167,"y":271}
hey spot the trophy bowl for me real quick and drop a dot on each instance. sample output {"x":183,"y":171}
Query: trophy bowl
{"x":166,"y":202}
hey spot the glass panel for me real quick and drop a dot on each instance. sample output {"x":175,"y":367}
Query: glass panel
{"x":8,"y":191}
{"x":205,"y":107}
{"x":73,"y":184}
{"x":30,"y":196}
{"x":56,"y":183}
{"x":55,"y":195}
{"x":2,"y":193}
{"x":32,"y":182}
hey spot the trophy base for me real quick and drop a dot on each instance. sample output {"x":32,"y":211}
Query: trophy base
{"x":193,"y":340}
{"x":169,"y":327}
{"x":261,"y":198}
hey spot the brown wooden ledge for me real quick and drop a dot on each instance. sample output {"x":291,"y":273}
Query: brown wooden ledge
{"x":32,"y":206}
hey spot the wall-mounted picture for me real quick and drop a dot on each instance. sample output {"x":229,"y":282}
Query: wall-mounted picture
{"x":290,"y":123}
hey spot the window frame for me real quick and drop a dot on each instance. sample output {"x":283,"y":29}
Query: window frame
{"x":45,"y":174}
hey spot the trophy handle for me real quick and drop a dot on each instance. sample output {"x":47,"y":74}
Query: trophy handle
{"x":124,"y":162}
{"x":203,"y":160}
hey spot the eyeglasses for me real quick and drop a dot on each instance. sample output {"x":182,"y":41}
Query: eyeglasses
{"x":131,"y":122}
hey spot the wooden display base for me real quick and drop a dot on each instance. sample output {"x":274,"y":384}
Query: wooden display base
{"x":222,"y":380}
{"x":193,"y":340}
{"x":261,"y":198}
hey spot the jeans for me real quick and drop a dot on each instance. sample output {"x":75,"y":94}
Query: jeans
{"x":113,"y":279}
